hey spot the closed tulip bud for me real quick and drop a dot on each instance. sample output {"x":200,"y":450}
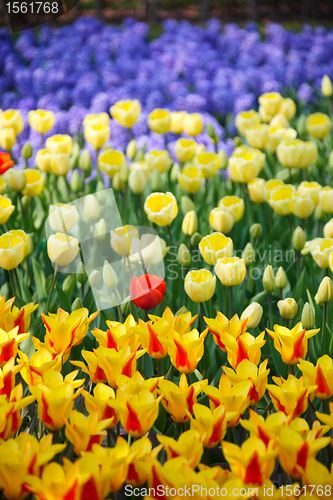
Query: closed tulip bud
{"x":25,"y":202}
{"x":211,"y":131}
{"x":156,"y":181}
{"x":248,"y":254}
{"x":117,"y":182}
{"x":85,"y":161}
{"x":287,"y":308}
{"x":26,"y":151}
{"x":195,"y":239}
{"x":281,"y":279}
{"x":100,"y":230}
{"x":325,"y":291}
{"x":126,"y":306}
{"x":68,"y":283}
{"x":60,"y":164}
{"x":7,"y":138}
{"x":221,"y":220}
{"x":268,"y":279}
{"x":109,"y":276}
{"x":95,"y":279}
{"x":298,"y":240}
{"x":76,"y":181}
{"x":62,"y":249}
{"x":256,"y":230}
{"x":131,"y":149}
{"x":254,"y":312}
{"x":184,"y":256}
{"x":124,"y":172}
{"x":328,"y":229}
{"x":193,"y":124}
{"x":81,"y":274}
{"x":101,"y":193}
{"x":223,"y":159}
{"x":186,"y":204}
{"x":77,"y":304}
{"x":330,"y":160}
{"x":62,"y":186}
{"x":16,"y":179}
{"x":91,"y":208}
{"x":175,"y":172}
{"x":326,"y":86}
{"x":301,"y":125}
{"x":75,"y":156}
{"x":137,"y":181}
{"x":190,"y":223}
{"x":308,"y":318}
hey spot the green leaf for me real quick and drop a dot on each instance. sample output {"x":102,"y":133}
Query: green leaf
{"x":64,"y":300}
{"x":39,"y":280}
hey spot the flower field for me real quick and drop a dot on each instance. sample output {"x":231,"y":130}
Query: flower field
{"x":166,"y":254}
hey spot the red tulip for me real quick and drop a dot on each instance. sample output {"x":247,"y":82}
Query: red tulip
{"x":5,"y":162}
{"x":147,"y":291}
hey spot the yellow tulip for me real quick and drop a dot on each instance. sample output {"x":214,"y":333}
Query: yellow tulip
{"x":287,"y":108}
{"x":200,"y":285}
{"x":185,"y":149}
{"x":97,"y":134}
{"x":159,"y":121}
{"x":221,"y":220}
{"x":257,"y":190}
{"x":276,"y":134}
{"x":11,"y":119}
{"x":11,"y":251}
{"x":186,"y":350}
{"x":271,"y":102}
{"x":41,"y":120}
{"x":291,"y":344}
{"x":319,"y":375}
{"x":96,"y":118}
{"x":43,"y":160}
{"x":7,"y":138}
{"x":257,"y":135}
{"x":209,"y":163}
{"x":179,"y":400}
{"x":3,"y":184}
{"x":121,"y":239}
{"x":294,"y":153}
{"x":193,"y":124}
{"x":60,"y":143}
{"x":215,"y":246}
{"x":211,"y":424}
{"x":41,"y":361}
{"x":230,"y":270}
{"x":281,"y":200}
{"x":111,"y":161}
{"x":246,"y":346}
{"x":328,"y":229}
{"x":325,"y":291}
{"x":302,"y":205}
{"x":281,"y":279}
{"x":279,"y":120}
{"x":6,"y":209}
{"x":148,"y":250}
{"x":83,"y":432}
{"x":191,"y":179}
{"x":288,"y":308}
{"x":253,"y":313}
{"x":177,"y":118}
{"x":234,"y":205}
{"x":311,"y":188}
{"x":159,"y":160}
{"x":126,"y":112}
{"x":63,"y":217}
{"x":321,"y":252}
{"x":326,"y":86}
{"x":291,"y":395}
{"x":271,"y":186}
{"x":318,"y":125}
{"x":326,"y":199}
{"x":221,"y":327}
{"x":246,"y":119}
{"x":246,"y":370}
{"x":245,"y":164}
{"x":62,"y":249}
{"x":137,"y":181}
{"x":161,"y":208}
{"x":34,"y":184}
{"x":190,"y":223}
{"x":26,"y":240}
{"x":188,"y":446}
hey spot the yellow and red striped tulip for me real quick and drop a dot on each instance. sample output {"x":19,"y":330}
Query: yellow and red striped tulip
{"x":246,"y":370}
{"x":290,"y":396}
{"x":291,"y":344}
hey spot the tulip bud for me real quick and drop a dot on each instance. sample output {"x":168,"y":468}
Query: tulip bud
{"x":326,"y":86}
{"x":184,"y":256}
{"x":237,"y":141}
{"x":319,"y":212}
{"x":91,"y":208}
{"x":223,"y":159}
{"x":298,"y":240}
{"x":268,"y":279}
{"x":301,"y":125}
{"x":75,"y":156}
{"x":16,"y":179}
{"x":281,"y":279}
{"x":109,"y":276}
{"x":68,"y":283}
{"x":190,"y":223}
{"x":211,"y":131}
{"x":156,"y":181}
{"x":101,"y":192}
{"x":95,"y":279}
{"x":77,"y":304}
{"x":325,"y":291}
{"x":76,"y":181}
{"x":131,"y":149}
{"x":117,"y":182}
{"x":308,"y":318}
{"x":200,"y":148}
{"x":186,"y":204}
{"x":26,"y":151}
{"x":25,"y":202}
{"x":137,"y":181}
{"x":126,"y":306}
{"x":254,"y":312}
{"x":140,"y":155}
{"x":330,"y":160}
{"x":81,"y":274}
{"x":328,"y":229}
{"x":85,"y":161}
{"x":248,"y":254}
{"x":175,"y":172}
{"x":195,"y":239}
{"x":124,"y":171}
{"x":180,"y":311}
{"x":256,"y":230}
{"x":62,"y":187}
{"x":100,"y":230}
{"x":287,"y":308}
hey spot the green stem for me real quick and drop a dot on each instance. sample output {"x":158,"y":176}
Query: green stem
{"x":270,"y":310}
{"x":202,"y":324}
{"x":12,"y":282}
{"x":159,"y":368}
{"x":52,"y":286}
{"x":230,"y":301}
{"x":323,"y":330}
{"x":170,"y":235}
{"x":292,"y":369}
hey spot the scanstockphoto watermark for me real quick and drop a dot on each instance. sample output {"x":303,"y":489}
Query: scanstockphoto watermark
{"x":196,"y":490}
{"x":256,"y":262}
